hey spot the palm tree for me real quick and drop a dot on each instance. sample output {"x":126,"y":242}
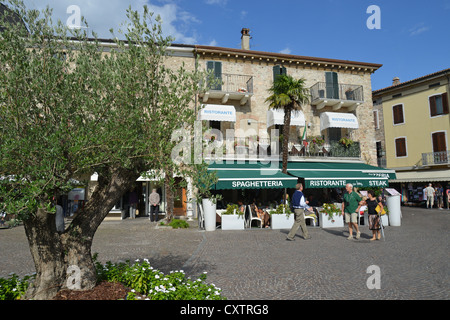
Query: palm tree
{"x":289,"y":94}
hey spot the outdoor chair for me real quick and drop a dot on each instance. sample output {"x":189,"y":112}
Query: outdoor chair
{"x":362,"y":213}
{"x":309,"y":216}
{"x":252,"y":216}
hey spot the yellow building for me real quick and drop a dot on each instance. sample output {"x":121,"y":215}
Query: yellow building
{"x":416,"y":123}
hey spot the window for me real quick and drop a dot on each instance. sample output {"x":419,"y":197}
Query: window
{"x":438,"y":104}
{"x":376,"y":120}
{"x":215,"y":67}
{"x":400,"y":147}
{"x":332,"y":85}
{"x":278,"y":71}
{"x":439,"y":143}
{"x":397,"y":112}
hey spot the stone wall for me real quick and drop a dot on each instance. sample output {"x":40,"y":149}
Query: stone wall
{"x":256,"y":108}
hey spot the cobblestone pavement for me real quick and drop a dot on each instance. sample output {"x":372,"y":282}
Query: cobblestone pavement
{"x":259,"y":264}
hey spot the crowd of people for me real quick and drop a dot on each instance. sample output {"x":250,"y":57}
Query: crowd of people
{"x":436,"y":195}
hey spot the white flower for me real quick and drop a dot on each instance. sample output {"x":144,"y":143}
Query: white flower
{"x":132,"y":290}
{"x":156,"y":277}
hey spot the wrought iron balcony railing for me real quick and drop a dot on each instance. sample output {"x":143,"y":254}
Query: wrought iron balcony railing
{"x":436,"y":158}
{"x":347,"y":92}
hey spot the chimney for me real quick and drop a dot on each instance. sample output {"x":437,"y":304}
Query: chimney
{"x":245,"y":39}
{"x":395,"y":81}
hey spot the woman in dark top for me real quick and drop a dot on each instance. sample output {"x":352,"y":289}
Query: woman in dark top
{"x":374,"y":218}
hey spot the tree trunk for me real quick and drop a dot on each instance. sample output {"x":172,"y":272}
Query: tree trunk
{"x":169,"y":197}
{"x":47,"y":253}
{"x":286,"y":132}
{"x":64,"y":261}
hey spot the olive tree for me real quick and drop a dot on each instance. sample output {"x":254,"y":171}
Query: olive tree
{"x":68,"y":109}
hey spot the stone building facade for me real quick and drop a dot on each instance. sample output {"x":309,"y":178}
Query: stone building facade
{"x":259,"y":67}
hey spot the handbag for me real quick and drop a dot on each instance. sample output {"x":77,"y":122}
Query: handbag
{"x":378,"y":209}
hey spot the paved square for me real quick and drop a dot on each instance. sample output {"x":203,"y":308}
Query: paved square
{"x":259,"y":264}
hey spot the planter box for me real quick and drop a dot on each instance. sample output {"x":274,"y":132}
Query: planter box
{"x":325,"y":223}
{"x":281,"y":221}
{"x":385,"y":220}
{"x":209,"y":214}
{"x":232,"y":222}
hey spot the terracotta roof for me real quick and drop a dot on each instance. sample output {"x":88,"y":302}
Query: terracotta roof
{"x":401,"y":84}
{"x":373,"y":66}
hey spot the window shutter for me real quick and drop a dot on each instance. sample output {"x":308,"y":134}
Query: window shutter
{"x":332,"y":85}
{"x":398,"y":114}
{"x":445,"y":102}
{"x":278,"y":71}
{"x":216,"y":68}
{"x":433,"y":110}
{"x":400,"y":147}
{"x":439,"y":144}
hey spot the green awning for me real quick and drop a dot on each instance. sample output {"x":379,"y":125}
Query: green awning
{"x":247,"y":175}
{"x":338,"y":174}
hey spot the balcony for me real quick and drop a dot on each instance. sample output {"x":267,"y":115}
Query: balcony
{"x":336,"y":96}
{"x":230,"y":87}
{"x":436,"y":158}
{"x":255,"y":147}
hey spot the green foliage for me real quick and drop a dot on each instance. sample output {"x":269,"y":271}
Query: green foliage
{"x":14,"y":288}
{"x":282,"y":209}
{"x":177,"y":223}
{"x":232,"y":209}
{"x":155,"y":285}
{"x":330,"y":210}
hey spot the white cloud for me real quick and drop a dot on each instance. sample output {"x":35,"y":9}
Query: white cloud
{"x":286,"y":51}
{"x":418,"y":29}
{"x":213,"y":43}
{"x":219,"y":2}
{"x":103,"y":15}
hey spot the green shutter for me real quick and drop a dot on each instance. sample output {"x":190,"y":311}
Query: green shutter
{"x":278,"y":71}
{"x":332,"y":85}
{"x":216,"y":68}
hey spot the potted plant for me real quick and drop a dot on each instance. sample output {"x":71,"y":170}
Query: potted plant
{"x":331,"y":216}
{"x":233,"y":218}
{"x":315,"y":142}
{"x":203,"y":182}
{"x":346,"y":142}
{"x":281,"y":217}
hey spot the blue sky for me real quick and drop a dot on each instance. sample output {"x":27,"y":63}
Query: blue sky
{"x":413,"y":40}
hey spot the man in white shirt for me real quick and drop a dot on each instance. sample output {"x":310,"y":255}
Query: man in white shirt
{"x":429,"y":191}
{"x":300,"y":205}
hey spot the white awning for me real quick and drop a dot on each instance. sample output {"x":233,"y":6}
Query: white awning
{"x":422,"y":176}
{"x":217,"y":112}
{"x":276,"y":116}
{"x":338,"y":120}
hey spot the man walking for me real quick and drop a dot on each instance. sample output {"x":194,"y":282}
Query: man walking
{"x":299,"y":204}
{"x":349,"y":207}
{"x":429,"y":191}
{"x":154,"y":205}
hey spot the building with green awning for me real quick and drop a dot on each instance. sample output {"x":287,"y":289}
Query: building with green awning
{"x":248,"y":175}
{"x":338,"y":174}
{"x":238,"y":175}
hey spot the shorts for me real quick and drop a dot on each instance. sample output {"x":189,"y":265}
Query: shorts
{"x":351,"y":217}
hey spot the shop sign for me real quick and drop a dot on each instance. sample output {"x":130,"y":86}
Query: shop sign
{"x":340,"y":183}
{"x":240,"y":184}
